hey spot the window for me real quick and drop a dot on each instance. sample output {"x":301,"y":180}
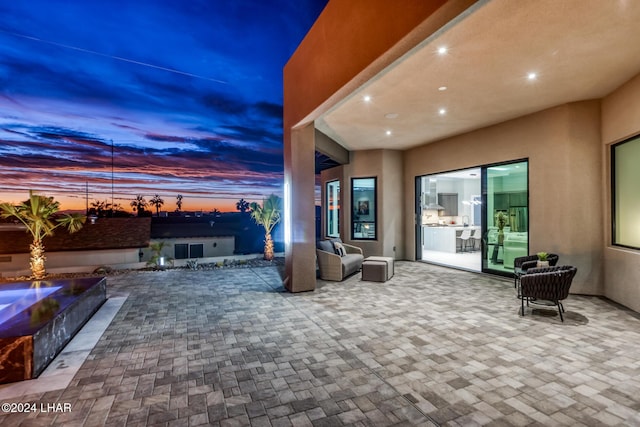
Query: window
{"x":333,"y":208}
{"x":181,"y":251}
{"x":363,"y":200}
{"x":196,"y":251}
{"x":625,"y":194}
{"x":185,"y":250}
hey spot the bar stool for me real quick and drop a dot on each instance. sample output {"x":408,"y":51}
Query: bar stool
{"x":477,"y":237}
{"x":464,"y":239}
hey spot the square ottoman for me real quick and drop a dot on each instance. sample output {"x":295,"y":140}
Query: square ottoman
{"x":377,"y":269}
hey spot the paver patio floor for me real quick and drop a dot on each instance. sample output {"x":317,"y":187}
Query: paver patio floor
{"x":432,"y":346}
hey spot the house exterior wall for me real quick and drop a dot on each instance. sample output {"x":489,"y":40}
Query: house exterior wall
{"x":567,"y":146}
{"x":562,"y":145}
{"x":386,"y":166}
{"x":332,"y":61}
{"x":620,"y":120}
{"x":69,"y":261}
{"x":212,"y":246}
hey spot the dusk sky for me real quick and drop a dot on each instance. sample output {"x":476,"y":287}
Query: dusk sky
{"x":187,"y":92}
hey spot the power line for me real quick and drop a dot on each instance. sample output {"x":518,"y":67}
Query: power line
{"x":118,"y":58}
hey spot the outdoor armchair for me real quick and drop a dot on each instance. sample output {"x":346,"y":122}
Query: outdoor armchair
{"x":548,"y":284}
{"x":522,"y":264}
{"x":335,"y":267}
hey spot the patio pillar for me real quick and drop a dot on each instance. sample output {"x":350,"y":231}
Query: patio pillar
{"x":299,"y":223}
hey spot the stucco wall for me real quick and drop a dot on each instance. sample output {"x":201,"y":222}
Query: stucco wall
{"x":364,"y":164}
{"x":391,"y":202}
{"x":386,"y":166}
{"x":562,"y":145}
{"x":620,"y":120}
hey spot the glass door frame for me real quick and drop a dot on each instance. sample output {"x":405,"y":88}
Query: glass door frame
{"x":483,"y":213}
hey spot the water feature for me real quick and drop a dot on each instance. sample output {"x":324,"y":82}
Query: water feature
{"x":38,"y":318}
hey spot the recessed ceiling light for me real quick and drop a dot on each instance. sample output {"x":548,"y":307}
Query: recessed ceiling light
{"x":532,"y":76}
{"x":442,"y":111}
{"x":388,"y":133}
{"x":441,"y":88}
{"x":442,"y":50}
{"x":367,"y":98}
{"x":391,"y":115}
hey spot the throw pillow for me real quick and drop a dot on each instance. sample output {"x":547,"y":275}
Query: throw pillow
{"x":339,"y":248}
{"x":326,"y":245}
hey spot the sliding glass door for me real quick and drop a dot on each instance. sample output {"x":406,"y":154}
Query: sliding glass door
{"x":475,"y":219}
{"x":506,"y":191}
{"x":449,"y":221}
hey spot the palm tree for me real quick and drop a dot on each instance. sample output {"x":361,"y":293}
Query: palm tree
{"x":242,"y":205}
{"x":138,"y":204}
{"x":38,"y":214}
{"x":267,"y":215}
{"x":179,"y":202}
{"x":100,"y":208}
{"x":157,"y":202}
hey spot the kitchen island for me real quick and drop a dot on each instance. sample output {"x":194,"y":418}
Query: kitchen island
{"x":444,"y":238}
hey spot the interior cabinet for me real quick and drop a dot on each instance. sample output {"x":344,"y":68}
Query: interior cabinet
{"x":518,"y":199}
{"x":504,"y":201}
{"x":501,"y":201}
{"x":449,"y":201}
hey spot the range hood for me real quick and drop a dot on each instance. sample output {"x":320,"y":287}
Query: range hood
{"x":433,"y":197}
{"x":434,"y":207}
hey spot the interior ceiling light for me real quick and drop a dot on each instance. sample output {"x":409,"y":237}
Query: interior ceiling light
{"x":442,"y":50}
{"x":532,"y":76}
{"x":442,"y":111}
{"x":391,"y":115}
{"x":388,"y":133}
{"x":367,"y":98}
{"x":441,"y":88}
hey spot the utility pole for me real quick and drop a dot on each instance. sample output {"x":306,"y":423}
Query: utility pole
{"x":112,"y":177}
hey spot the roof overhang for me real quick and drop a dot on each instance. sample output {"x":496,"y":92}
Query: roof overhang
{"x":578,"y":50}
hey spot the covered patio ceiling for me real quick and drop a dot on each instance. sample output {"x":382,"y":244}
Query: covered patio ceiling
{"x":500,"y":60}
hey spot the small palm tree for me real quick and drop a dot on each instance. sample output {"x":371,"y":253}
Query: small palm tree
{"x":178,"y":202}
{"x":157,"y":202}
{"x":38,"y":214}
{"x":267,"y":215}
{"x":156,"y":255}
{"x":243,"y":205}
{"x":138,"y":204}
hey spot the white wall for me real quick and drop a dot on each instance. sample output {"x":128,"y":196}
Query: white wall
{"x":70,"y":261}
{"x":212,"y":246}
{"x":88,"y":261}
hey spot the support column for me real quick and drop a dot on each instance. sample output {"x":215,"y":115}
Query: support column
{"x":299,"y":178}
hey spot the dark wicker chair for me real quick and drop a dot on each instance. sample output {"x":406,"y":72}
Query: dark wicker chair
{"x":548,"y":284}
{"x":524,"y":263}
